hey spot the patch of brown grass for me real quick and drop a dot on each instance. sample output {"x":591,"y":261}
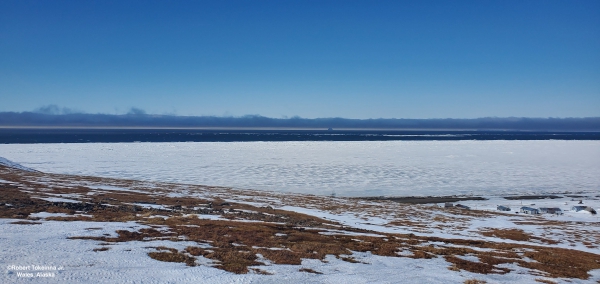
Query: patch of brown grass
{"x":562,"y":262}
{"x":173,"y":257}
{"x":25,"y":223}
{"x":474,"y":281}
{"x":309,"y":271}
{"x":167,"y":249}
{"x":515,"y":235}
{"x":475,"y":267}
{"x":69,"y":218}
{"x":281,"y":256}
{"x":350,"y":259}
{"x":230,"y":259}
{"x":101,"y":249}
{"x":511,"y":234}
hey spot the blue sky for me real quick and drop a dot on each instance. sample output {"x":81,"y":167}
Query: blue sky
{"x":353,"y":59}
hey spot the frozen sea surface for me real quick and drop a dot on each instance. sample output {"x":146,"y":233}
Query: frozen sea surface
{"x":362,"y":168}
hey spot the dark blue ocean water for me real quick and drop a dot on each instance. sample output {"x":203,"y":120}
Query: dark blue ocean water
{"x":13,"y":136}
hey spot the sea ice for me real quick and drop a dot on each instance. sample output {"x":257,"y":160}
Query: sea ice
{"x":363,"y":168}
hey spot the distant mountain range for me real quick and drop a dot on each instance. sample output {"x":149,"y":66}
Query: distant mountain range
{"x":33,"y":119}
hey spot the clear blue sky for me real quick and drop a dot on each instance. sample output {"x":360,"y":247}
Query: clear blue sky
{"x":353,"y":59}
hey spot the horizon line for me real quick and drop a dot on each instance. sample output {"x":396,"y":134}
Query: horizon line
{"x":291,"y":117}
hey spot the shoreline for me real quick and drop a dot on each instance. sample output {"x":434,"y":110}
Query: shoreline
{"x":422,"y":199}
{"x":443,"y":199}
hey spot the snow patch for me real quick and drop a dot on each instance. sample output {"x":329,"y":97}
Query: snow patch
{"x":58,"y":199}
{"x":11,"y":164}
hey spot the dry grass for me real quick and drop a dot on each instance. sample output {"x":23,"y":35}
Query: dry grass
{"x":511,"y":234}
{"x":281,"y":256}
{"x":25,"y":223}
{"x":101,"y":249}
{"x":350,"y":259}
{"x":230,"y":259}
{"x":309,"y":271}
{"x":173,"y":257}
{"x":474,"y":281}
{"x":563,"y":262}
{"x":515,"y":235}
{"x":166,"y":248}
{"x":475,"y":267}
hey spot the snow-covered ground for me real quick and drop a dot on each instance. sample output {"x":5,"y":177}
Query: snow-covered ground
{"x":74,"y":261}
{"x":44,"y":246}
{"x":9,"y":163}
{"x":365,"y":168}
